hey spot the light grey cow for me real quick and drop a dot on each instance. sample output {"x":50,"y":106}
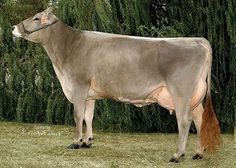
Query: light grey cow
{"x":173,"y":72}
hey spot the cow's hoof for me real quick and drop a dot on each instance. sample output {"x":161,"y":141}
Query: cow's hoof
{"x":174,"y":160}
{"x":74,"y":146}
{"x":87,"y":144}
{"x":197,"y":156}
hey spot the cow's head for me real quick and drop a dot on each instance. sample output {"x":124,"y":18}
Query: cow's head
{"x":35,"y":28}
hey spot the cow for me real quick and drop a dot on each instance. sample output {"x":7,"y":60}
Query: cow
{"x":172,"y":72}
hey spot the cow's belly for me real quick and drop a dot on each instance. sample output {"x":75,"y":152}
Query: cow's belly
{"x":159,"y":95}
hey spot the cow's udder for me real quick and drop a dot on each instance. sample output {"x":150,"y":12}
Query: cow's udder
{"x":162,"y":96}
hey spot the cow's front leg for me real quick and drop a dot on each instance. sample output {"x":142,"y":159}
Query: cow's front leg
{"x":184,"y":120}
{"x":89,"y":113}
{"x":79,"y":110}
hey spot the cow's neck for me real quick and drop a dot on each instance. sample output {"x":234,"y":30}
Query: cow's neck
{"x":60,"y":43}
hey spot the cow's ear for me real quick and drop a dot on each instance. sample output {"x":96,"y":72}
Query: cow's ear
{"x":48,"y":17}
{"x":48,"y":10}
{"x":44,"y":19}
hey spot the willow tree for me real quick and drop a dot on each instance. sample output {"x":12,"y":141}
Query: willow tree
{"x":17,"y":64}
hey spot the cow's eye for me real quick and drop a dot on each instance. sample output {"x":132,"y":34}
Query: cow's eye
{"x":35,"y":19}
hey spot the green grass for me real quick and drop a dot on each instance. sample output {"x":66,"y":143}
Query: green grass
{"x":44,"y":146}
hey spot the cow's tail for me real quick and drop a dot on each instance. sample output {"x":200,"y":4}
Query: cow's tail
{"x":210,"y":130}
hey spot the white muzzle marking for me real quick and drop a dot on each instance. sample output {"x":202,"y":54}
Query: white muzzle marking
{"x":16,"y":32}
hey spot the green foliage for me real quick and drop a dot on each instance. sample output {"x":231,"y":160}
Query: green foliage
{"x":30,"y":91}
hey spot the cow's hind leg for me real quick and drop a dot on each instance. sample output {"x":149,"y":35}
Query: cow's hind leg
{"x":197,"y":119}
{"x":184,"y":120}
{"x":89,"y":112}
{"x":79,"y":110}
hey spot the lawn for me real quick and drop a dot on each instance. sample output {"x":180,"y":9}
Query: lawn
{"x":44,"y":146}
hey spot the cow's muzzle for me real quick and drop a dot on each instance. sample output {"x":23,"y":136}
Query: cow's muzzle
{"x":13,"y":28}
{"x":15,"y":31}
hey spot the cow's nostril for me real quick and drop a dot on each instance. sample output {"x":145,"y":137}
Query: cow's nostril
{"x":13,"y":28}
